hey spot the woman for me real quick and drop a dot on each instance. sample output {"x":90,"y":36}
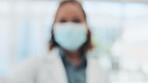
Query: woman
{"x":69,"y":59}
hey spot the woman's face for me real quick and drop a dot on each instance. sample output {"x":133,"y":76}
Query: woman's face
{"x":70,"y":13}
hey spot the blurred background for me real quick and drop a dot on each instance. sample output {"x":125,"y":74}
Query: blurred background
{"x":119,"y":28}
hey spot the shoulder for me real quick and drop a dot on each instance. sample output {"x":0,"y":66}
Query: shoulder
{"x":31,"y":63}
{"x":100,"y":71}
{"x":94,"y":59}
{"x":43,"y":59}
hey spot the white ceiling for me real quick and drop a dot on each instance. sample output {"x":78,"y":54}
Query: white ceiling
{"x":126,"y":1}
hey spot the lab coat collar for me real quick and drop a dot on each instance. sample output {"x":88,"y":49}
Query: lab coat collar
{"x":59,"y":72}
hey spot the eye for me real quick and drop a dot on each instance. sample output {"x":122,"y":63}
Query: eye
{"x":63,"y":21}
{"x":77,"y":20}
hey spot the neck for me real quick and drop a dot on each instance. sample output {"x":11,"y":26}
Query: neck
{"x":74,"y":57}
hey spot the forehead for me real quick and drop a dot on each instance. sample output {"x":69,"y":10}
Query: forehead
{"x":69,"y":9}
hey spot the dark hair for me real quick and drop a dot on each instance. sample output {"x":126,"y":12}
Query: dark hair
{"x":87,"y":45}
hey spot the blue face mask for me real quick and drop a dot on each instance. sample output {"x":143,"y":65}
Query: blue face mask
{"x":70,"y":36}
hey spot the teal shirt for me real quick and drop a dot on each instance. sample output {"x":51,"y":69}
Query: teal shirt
{"x":75,"y":74}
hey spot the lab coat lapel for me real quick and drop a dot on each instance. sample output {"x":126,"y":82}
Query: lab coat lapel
{"x":90,"y":72}
{"x":94,"y":74}
{"x":58,"y":71}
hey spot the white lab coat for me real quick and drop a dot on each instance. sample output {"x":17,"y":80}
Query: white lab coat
{"x":50,"y":69}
